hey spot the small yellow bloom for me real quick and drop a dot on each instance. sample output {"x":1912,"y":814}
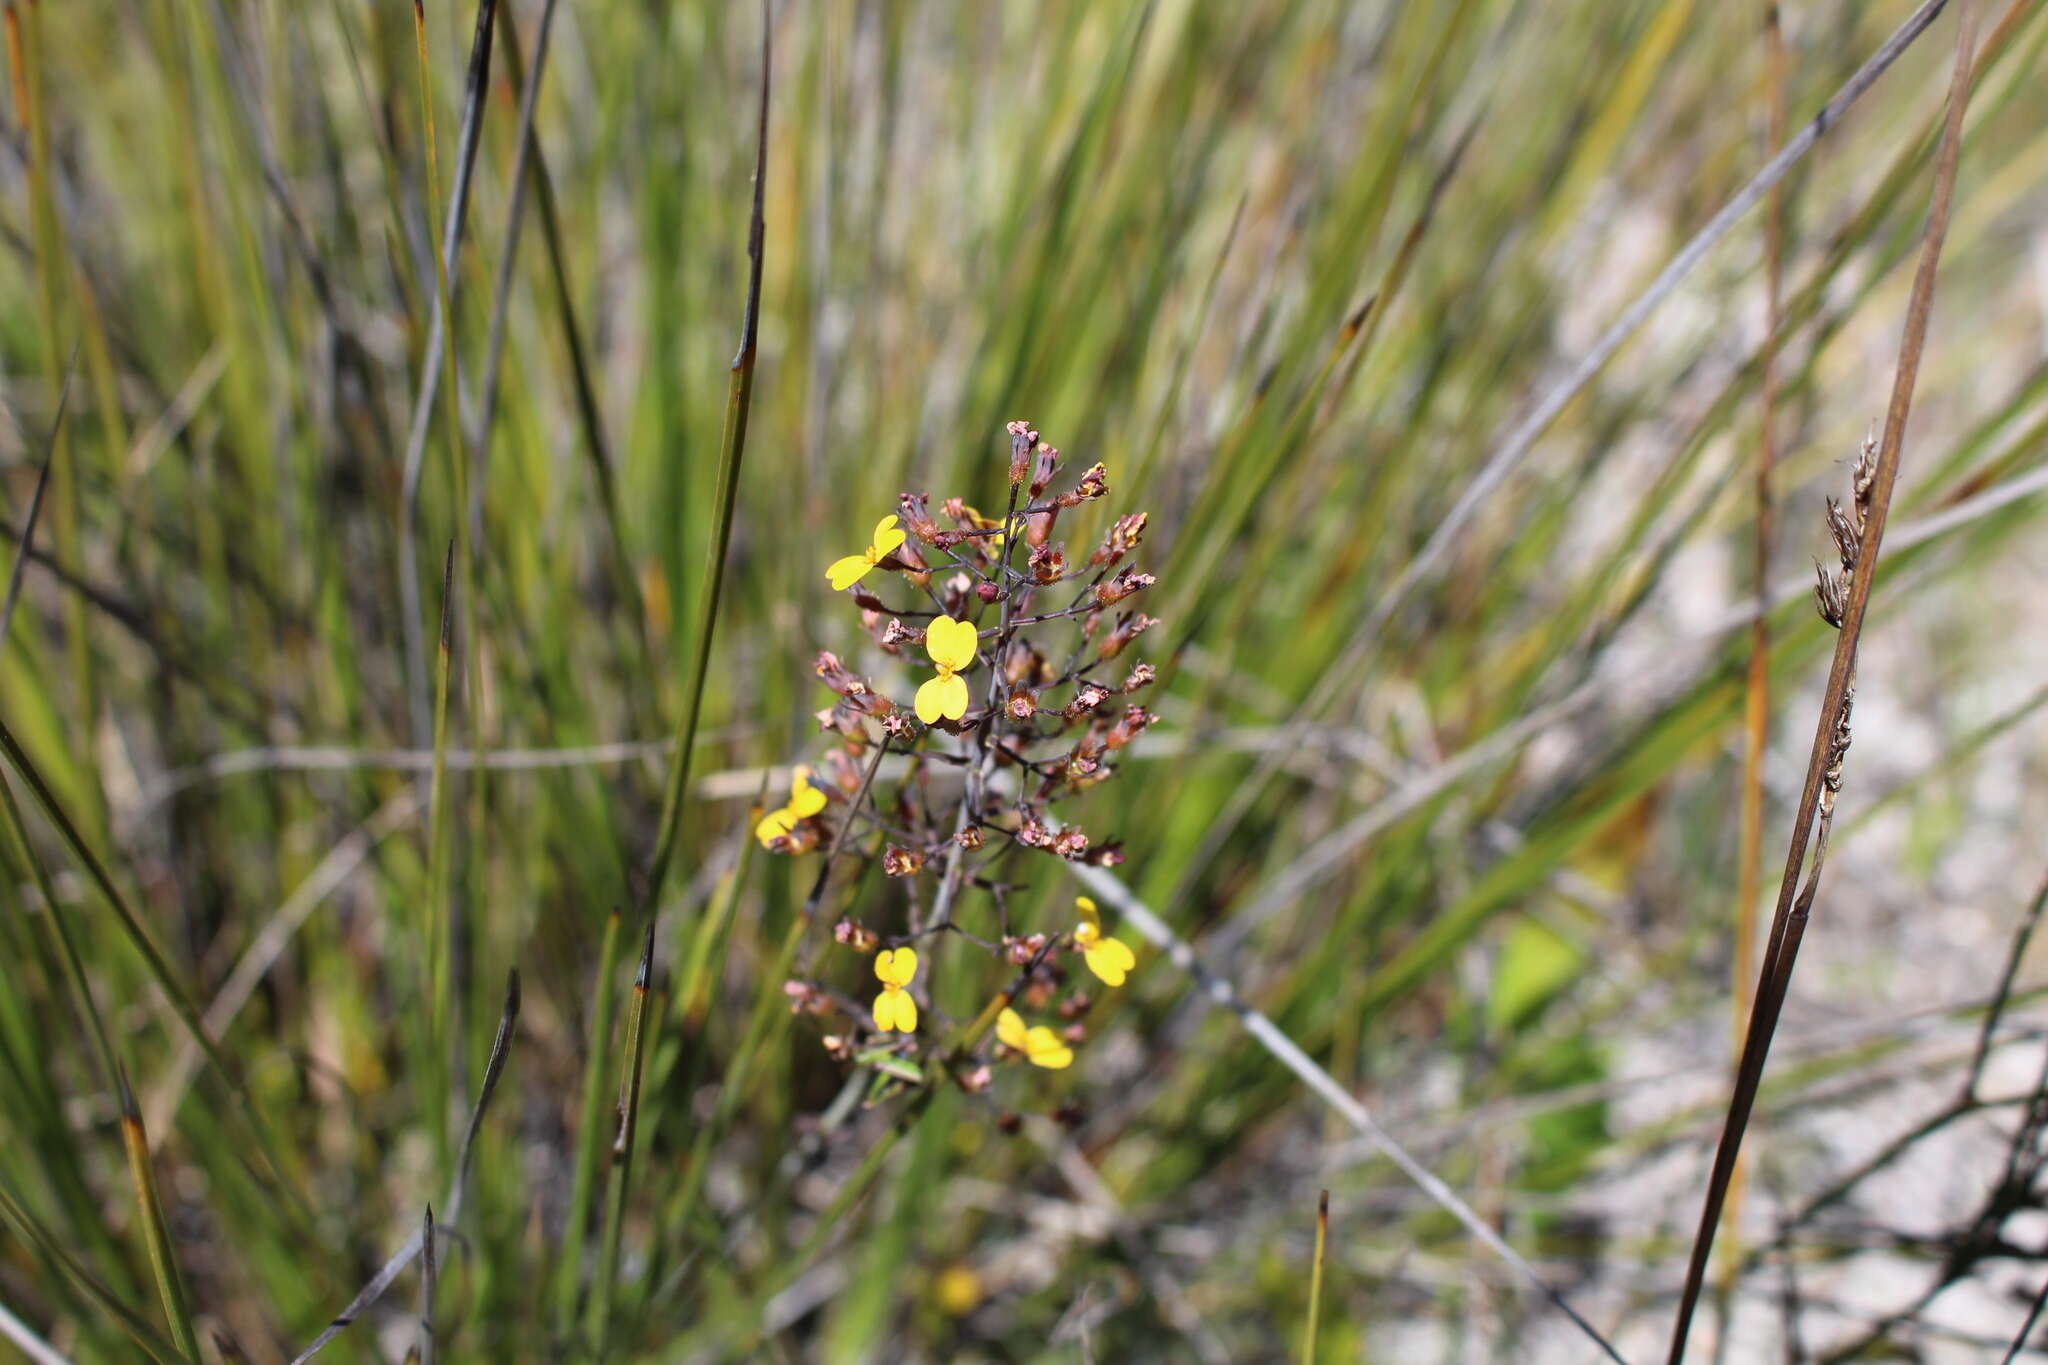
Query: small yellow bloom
{"x":804,"y":801}
{"x":958,"y":1290}
{"x":894,"y":1009}
{"x":846,"y":572}
{"x":1106,"y":957}
{"x":952,"y":645}
{"x":1039,"y":1044}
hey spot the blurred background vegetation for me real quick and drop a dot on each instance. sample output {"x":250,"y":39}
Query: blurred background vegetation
{"x":1291,"y":269}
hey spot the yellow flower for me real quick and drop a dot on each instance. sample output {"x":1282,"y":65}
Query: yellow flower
{"x":846,"y":572}
{"x":1039,"y":1044}
{"x":804,"y":800}
{"x":1106,"y":957}
{"x":952,"y":645}
{"x":958,"y":1290}
{"x":894,"y":1009}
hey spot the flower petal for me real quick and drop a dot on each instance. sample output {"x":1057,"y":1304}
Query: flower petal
{"x":928,"y":698}
{"x":774,"y":825}
{"x":1111,"y":961}
{"x":846,"y":572}
{"x":1089,"y":913}
{"x":895,"y":966}
{"x":1010,"y":1029}
{"x":805,"y":800}
{"x":1045,"y":1048}
{"x":952,"y":695}
{"x":906,"y":1012}
{"x":886,"y":1006}
{"x":951,"y":643}
{"x":887,"y":538}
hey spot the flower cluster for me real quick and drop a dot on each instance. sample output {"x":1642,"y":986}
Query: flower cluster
{"x":1022,"y":699}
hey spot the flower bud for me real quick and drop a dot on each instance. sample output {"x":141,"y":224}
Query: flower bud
{"x":1120,"y":585}
{"x":856,"y":936}
{"x":917,"y":518}
{"x":1127,"y":629}
{"x":1124,"y":536}
{"x":1022,"y":440}
{"x":1048,"y":562}
{"x":1044,"y":467}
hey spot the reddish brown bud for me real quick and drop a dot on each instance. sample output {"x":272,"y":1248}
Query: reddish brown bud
{"x":1128,"y":727}
{"x":898,"y":861}
{"x":1094,"y":484}
{"x":1022,"y":440}
{"x":1074,"y":1006}
{"x":1121,"y":585}
{"x":804,"y":998}
{"x":974,"y":1080}
{"x":1018,"y":951}
{"x":917,"y":518}
{"x":1009,"y":1123}
{"x":988,"y":592}
{"x":836,"y":1047}
{"x":1124,"y":536}
{"x":856,"y":935}
{"x":1044,"y":467}
{"x":1048,"y":562}
{"x":1087,"y":697}
{"x":1128,"y":628}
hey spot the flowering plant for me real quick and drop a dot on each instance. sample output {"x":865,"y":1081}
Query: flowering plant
{"x":1020,"y":711}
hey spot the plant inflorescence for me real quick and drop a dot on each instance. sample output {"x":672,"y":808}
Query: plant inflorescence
{"x":1023,"y":699}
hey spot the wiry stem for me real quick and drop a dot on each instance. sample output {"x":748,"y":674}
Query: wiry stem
{"x":1874,"y":484}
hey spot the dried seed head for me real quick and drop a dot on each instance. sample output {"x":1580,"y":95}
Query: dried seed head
{"x":856,"y":936}
{"x":969,"y":838}
{"x":1848,"y":535}
{"x":1141,"y":676}
{"x":1831,"y":595}
{"x":1863,"y":475}
{"x":1023,"y":705}
{"x":1070,"y":843}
